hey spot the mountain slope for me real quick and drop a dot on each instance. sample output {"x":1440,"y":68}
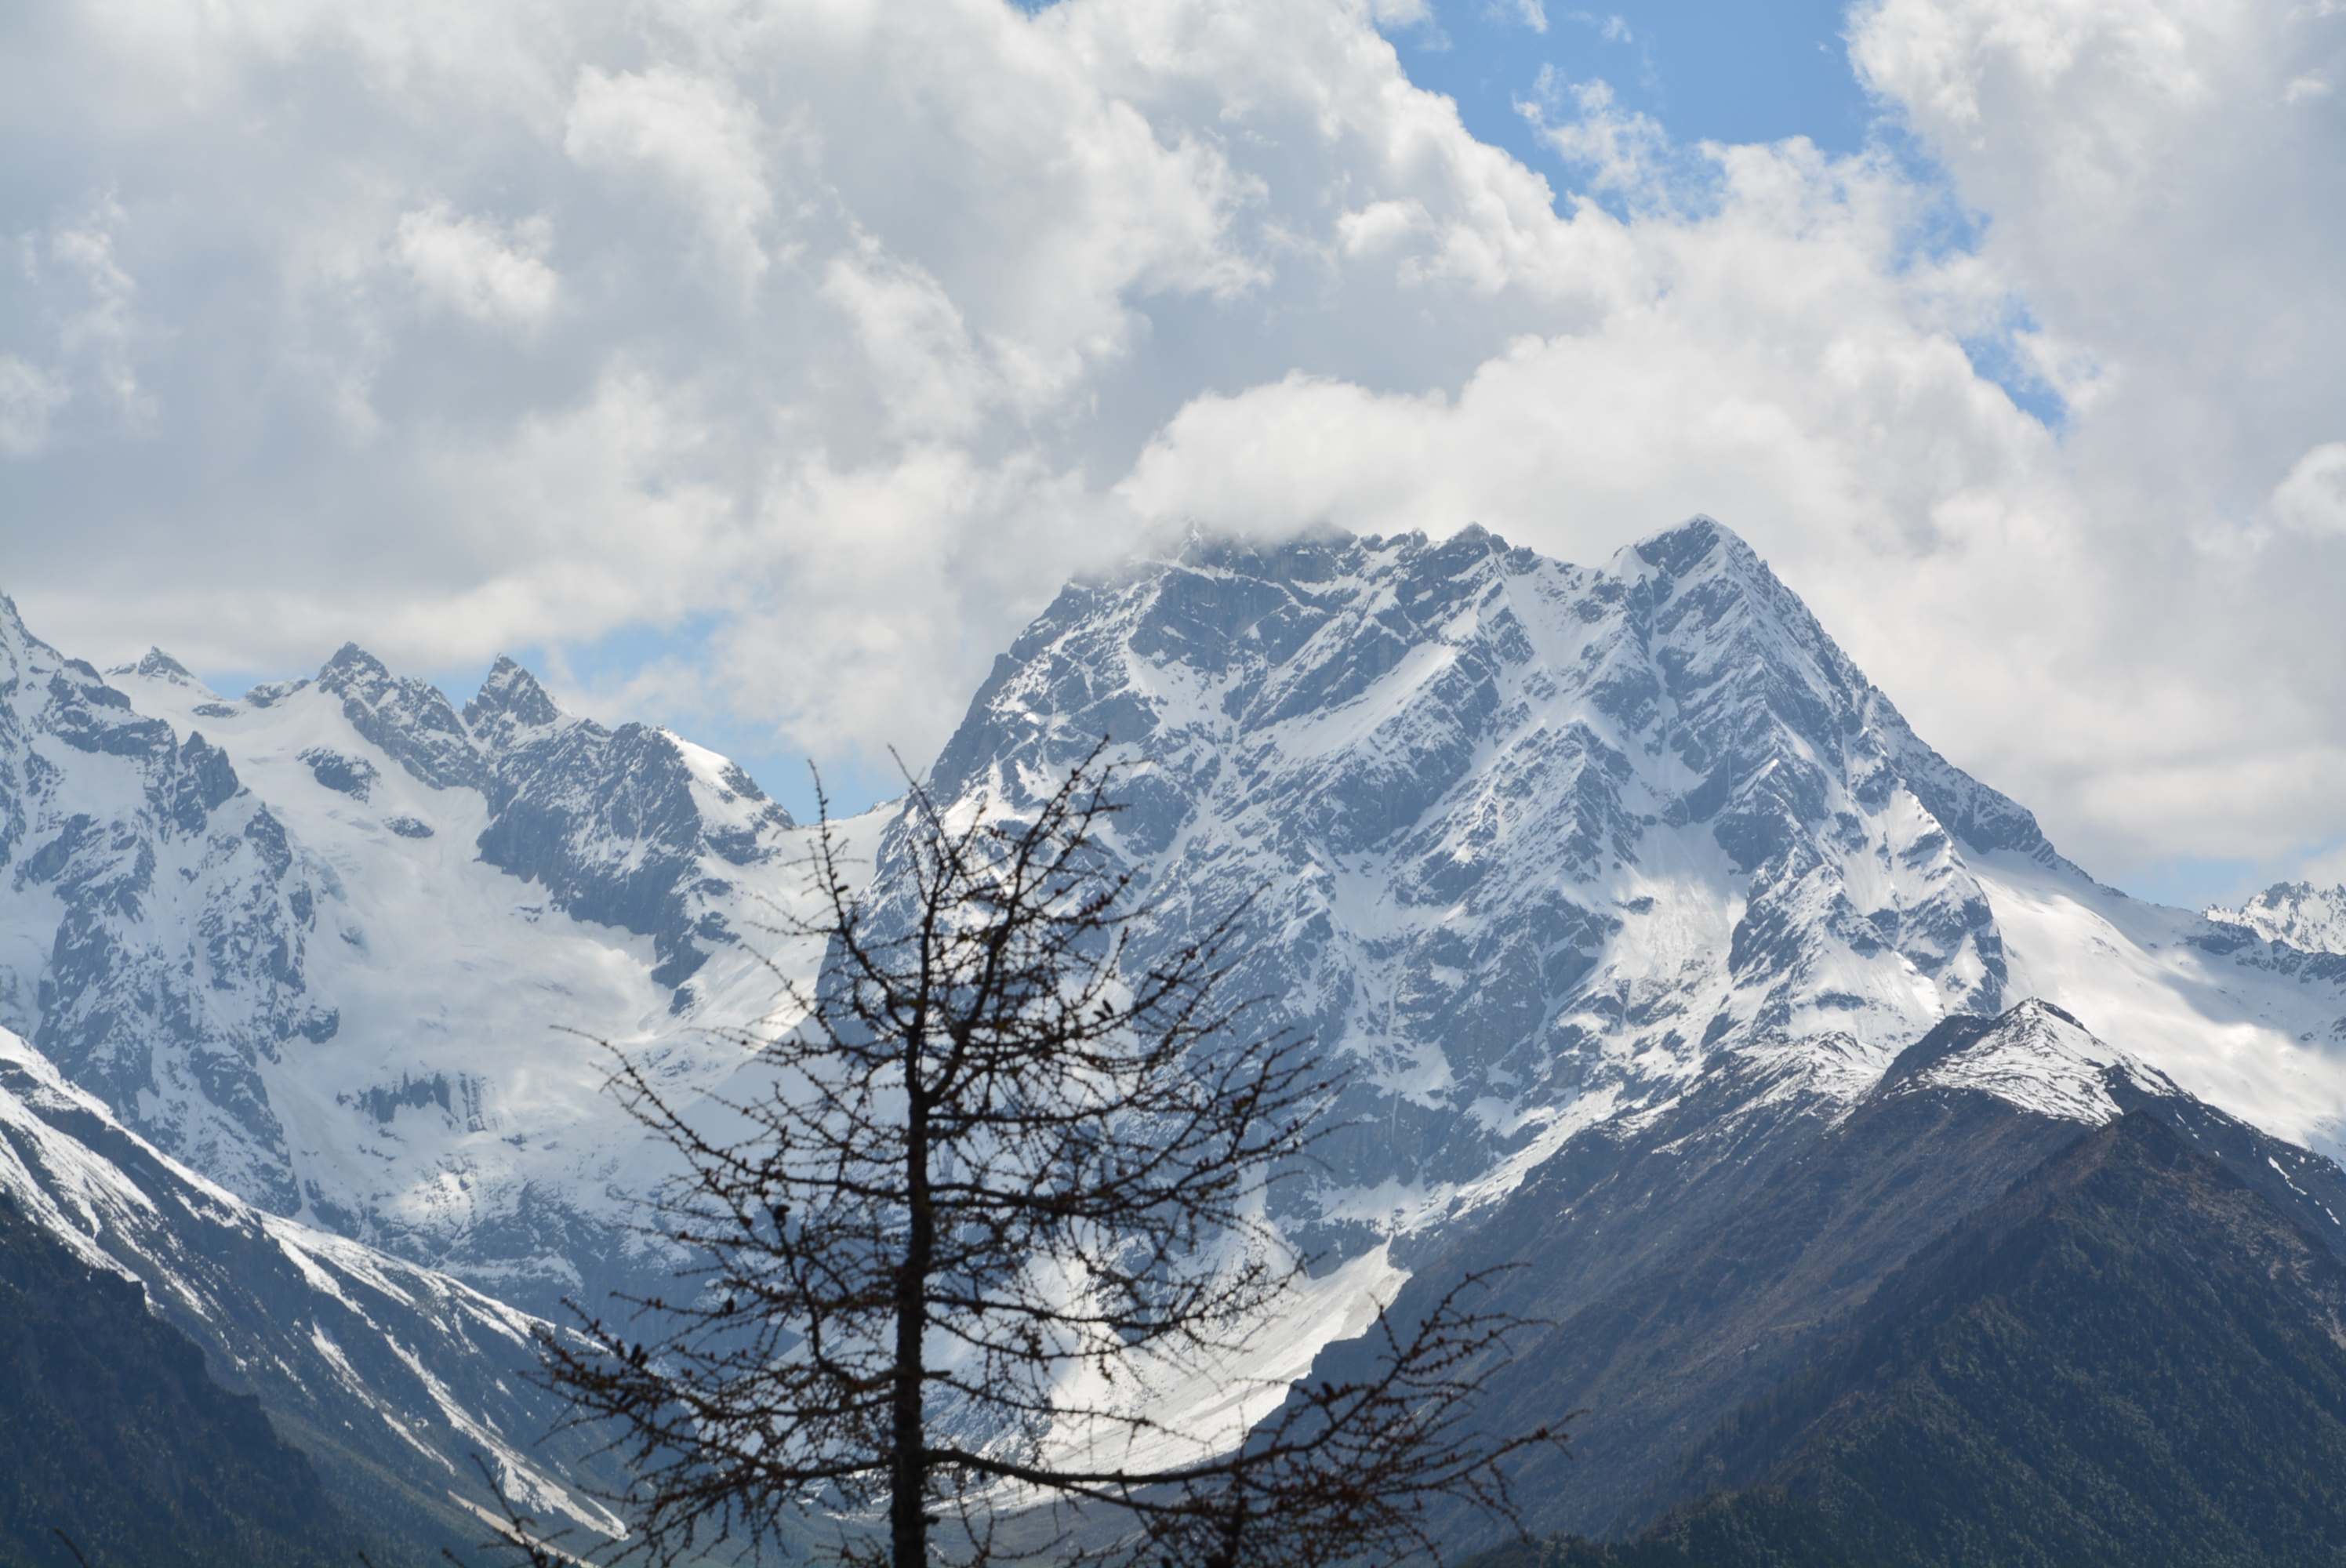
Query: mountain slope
{"x":2129,"y":1358}
{"x":1720,"y":1344}
{"x":388,"y":1377}
{"x":116,"y":1437}
{"x":1720,"y":1315}
{"x":1668,"y":1352}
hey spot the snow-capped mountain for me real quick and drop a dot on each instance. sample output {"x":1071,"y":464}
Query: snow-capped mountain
{"x":2295,"y":914}
{"x":327,"y":943}
{"x":1554,"y":855}
{"x":2037,"y":1058}
{"x":389,"y":1376}
{"x":1548,"y":850}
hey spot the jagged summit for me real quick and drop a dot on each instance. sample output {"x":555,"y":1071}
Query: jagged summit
{"x":2299,"y":915}
{"x":412,"y":720}
{"x":510,"y":700}
{"x":1534,"y":838}
{"x":157,"y":665}
{"x":1677,"y":551}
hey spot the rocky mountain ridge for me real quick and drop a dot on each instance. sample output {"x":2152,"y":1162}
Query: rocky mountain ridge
{"x":2296,"y":914}
{"x":1617,"y":884}
{"x":322,"y":942}
{"x":1548,"y":849}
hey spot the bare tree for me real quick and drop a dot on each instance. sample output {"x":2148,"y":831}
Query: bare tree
{"x":996,"y":1150}
{"x":1348,"y":1471}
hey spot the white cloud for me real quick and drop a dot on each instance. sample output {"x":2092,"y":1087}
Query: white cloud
{"x":2326,"y":869}
{"x":851,"y":330}
{"x":75,"y":322}
{"x":1621,"y":152}
{"x":27,"y":397}
{"x":467,"y":265}
{"x":927,"y":371}
{"x":691,"y":131}
{"x":2312,"y":499}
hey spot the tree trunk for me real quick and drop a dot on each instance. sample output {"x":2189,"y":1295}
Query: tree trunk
{"x":907,"y":1500}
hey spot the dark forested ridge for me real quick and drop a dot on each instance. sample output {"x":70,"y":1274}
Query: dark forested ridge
{"x":116,"y":1434}
{"x":1728,"y":1311}
{"x":2129,"y":1358}
{"x":1761,"y":1528}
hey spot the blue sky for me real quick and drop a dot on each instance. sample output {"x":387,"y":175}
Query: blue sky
{"x":1706,"y":71}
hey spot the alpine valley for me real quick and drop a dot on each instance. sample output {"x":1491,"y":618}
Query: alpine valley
{"x":1844,"y":1135}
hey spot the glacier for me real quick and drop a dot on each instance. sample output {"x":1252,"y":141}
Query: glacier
{"x":351,"y":954}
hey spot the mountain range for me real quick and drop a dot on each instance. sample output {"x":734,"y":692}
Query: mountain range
{"x":1669,"y":965}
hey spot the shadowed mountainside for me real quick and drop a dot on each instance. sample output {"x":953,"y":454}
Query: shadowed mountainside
{"x":116,"y":1435}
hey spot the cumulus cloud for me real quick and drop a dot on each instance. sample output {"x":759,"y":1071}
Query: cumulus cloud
{"x":693,"y":135}
{"x":468,"y":265}
{"x":29,"y":396}
{"x":831,"y":339}
{"x":2312,"y":499}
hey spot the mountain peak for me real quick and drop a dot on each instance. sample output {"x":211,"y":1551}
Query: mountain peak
{"x":412,"y":720}
{"x":1542,"y":770}
{"x":1679,"y":551}
{"x":2036,"y":1056}
{"x":157,"y":665}
{"x":352,"y":665}
{"x":13,"y":633}
{"x":510,"y":700}
{"x":1704,"y":568}
{"x":2300,"y":914}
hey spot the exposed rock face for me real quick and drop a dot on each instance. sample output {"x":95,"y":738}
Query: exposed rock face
{"x":173,"y":973}
{"x":408,"y":719}
{"x":1539,"y":848}
{"x":615,"y":824}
